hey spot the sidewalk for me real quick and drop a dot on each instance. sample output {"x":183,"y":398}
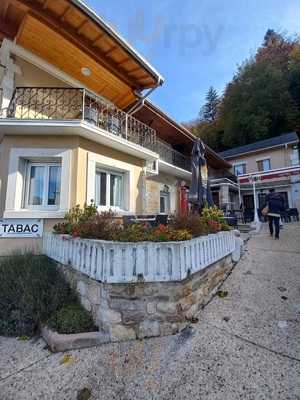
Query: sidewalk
{"x":245,"y":346}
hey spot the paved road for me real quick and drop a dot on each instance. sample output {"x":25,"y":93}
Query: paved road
{"x":245,"y":346}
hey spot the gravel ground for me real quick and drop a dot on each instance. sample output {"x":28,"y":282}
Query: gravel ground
{"x":245,"y":346}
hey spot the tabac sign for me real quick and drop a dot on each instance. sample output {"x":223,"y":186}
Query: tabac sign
{"x":20,"y":228}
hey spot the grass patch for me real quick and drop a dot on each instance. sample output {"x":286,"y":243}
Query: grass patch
{"x":71,"y":318}
{"x":32,"y":290}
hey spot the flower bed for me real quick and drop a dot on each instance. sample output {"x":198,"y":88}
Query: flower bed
{"x":88,"y":224}
{"x":99,"y":246}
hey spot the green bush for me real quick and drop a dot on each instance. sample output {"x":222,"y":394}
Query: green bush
{"x":72,"y":318}
{"x":31,"y":289}
{"x":75,"y":218}
{"x":192,"y":222}
{"x":138,"y":232}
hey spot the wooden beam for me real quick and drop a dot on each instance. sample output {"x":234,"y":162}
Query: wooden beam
{"x":5,"y":8}
{"x":81,"y":42}
{"x":8,"y":30}
{"x":46,"y":4}
{"x":100,"y":36}
{"x":65,"y":13}
{"x":125,"y":60}
{"x":82,"y":25}
{"x":110,"y":51}
{"x":133,"y":71}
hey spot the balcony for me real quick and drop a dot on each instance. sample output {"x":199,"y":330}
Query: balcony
{"x":171,"y":156}
{"x":72,"y":104}
{"x":63,"y":108}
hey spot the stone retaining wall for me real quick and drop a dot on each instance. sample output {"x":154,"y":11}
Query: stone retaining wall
{"x":139,"y":310}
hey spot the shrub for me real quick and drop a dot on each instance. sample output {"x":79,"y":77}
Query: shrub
{"x":134,"y":233}
{"x":100,"y":226}
{"x":213,"y":217}
{"x":213,"y":213}
{"x":31,"y":289}
{"x":164,"y":233}
{"x":75,"y":218}
{"x":72,"y":318}
{"x":193,"y":223}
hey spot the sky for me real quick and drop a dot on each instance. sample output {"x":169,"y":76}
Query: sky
{"x":195,"y":44}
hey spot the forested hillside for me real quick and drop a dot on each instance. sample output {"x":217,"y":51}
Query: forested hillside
{"x":261,"y":101}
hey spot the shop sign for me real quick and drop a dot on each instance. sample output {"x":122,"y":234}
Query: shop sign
{"x":21,"y":227}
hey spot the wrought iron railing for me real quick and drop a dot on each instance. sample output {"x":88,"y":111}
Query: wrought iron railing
{"x":172,"y":156}
{"x":31,"y":103}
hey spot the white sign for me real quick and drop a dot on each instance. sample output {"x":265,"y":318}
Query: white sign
{"x":14,"y":228}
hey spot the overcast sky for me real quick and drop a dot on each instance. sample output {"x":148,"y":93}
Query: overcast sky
{"x":196,"y":43}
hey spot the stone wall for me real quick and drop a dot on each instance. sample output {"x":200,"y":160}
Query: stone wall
{"x":139,"y":310}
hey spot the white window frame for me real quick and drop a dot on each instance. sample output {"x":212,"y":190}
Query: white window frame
{"x":101,"y":162}
{"x":167,"y":196}
{"x":243,"y":164}
{"x":15,"y":192}
{"x":44,"y":205}
{"x":108,"y":173}
{"x":262,"y":160}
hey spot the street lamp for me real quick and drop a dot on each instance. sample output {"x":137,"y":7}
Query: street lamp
{"x":253,"y":179}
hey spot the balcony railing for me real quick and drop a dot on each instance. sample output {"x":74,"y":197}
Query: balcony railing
{"x":171,"y":156}
{"x":67,"y":104}
{"x":41,"y":103}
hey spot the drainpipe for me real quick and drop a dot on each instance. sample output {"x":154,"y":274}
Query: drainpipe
{"x":140,"y":103}
{"x":239,"y":189}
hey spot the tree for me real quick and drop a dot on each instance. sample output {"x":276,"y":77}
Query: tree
{"x":257,"y":105}
{"x":261,"y":101}
{"x":209,"y":111}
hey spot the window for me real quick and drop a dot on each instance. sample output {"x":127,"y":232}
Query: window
{"x":109,"y":190}
{"x":240,"y":169}
{"x":43,"y":185}
{"x":264,"y":165}
{"x":164,"y":202}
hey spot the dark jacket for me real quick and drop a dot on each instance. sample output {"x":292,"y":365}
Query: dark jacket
{"x":275,"y":203}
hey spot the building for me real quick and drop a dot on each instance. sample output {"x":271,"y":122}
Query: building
{"x":174,"y":146}
{"x":75,"y":124}
{"x":273,"y":163}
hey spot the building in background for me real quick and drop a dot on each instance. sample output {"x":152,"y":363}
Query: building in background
{"x":273,"y":163}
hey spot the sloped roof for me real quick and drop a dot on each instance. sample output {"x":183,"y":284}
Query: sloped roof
{"x":285,"y":138}
{"x":175,"y":133}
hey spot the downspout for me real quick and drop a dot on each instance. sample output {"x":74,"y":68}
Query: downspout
{"x":140,"y":103}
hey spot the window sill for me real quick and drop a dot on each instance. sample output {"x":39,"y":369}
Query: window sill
{"x":25,"y":213}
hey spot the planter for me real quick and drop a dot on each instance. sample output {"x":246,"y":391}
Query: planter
{"x":62,"y":342}
{"x":118,"y":262}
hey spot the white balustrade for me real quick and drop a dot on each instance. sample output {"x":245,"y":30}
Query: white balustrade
{"x":118,"y":262}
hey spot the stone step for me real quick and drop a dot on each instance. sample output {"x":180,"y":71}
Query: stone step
{"x":244,"y":227}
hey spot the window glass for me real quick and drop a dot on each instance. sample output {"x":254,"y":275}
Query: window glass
{"x":264,"y":165}
{"x":116,"y":190}
{"x":164,"y":202}
{"x":36,"y":185}
{"x":100,"y":199}
{"x":54,"y":185}
{"x":267,"y":165}
{"x":240,"y":169}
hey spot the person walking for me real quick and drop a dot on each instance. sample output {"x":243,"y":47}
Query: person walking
{"x":275,"y":204}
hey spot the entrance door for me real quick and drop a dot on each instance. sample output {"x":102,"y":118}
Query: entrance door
{"x":261,"y":200}
{"x":284,"y":195}
{"x":215,"y":196}
{"x":248,"y":201}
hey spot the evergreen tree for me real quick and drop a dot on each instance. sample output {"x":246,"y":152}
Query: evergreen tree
{"x":261,"y":101}
{"x":209,"y":111}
